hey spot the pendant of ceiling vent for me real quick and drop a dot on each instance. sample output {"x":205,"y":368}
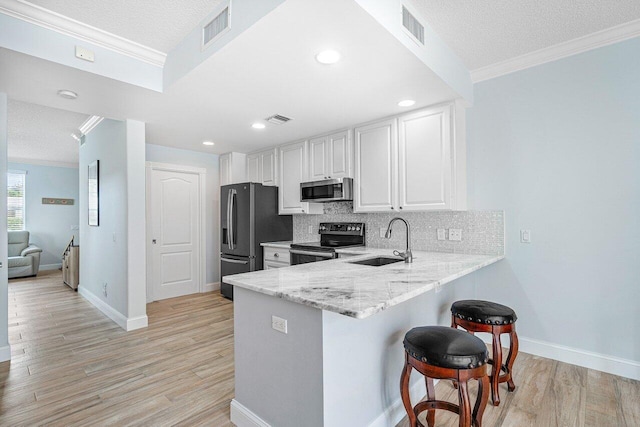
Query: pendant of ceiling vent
{"x":277,"y":119}
{"x":412,"y":25}
{"x":216,"y":27}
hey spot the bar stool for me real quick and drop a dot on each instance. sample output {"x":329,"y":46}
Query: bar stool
{"x":496,"y":319}
{"x":445,"y":353}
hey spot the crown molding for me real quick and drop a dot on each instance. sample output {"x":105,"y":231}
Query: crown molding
{"x":48,"y":19}
{"x":595,"y":40}
{"x":42,"y":162}
{"x":89,"y":124}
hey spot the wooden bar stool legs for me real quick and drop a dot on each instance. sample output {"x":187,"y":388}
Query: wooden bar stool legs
{"x":495,"y":319}
{"x":428,"y":351}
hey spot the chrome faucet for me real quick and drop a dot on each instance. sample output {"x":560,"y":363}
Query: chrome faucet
{"x":406,"y":255}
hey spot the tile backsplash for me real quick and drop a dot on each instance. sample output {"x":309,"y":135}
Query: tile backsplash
{"x":482,"y":231}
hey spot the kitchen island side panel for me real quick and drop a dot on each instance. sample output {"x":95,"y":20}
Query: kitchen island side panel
{"x":278,"y":376}
{"x":363,"y":358}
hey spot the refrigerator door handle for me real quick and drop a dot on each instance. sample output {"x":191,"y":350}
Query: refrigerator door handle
{"x":231,"y":225}
{"x":234,"y":261}
{"x":229,"y":242}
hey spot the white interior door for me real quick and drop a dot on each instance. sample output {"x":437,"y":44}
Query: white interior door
{"x":174,"y":210}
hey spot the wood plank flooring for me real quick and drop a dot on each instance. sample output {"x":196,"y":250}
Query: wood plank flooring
{"x":552,"y":393}
{"x":72,"y":366}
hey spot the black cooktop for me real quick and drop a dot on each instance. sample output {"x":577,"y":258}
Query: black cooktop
{"x":335,"y":235}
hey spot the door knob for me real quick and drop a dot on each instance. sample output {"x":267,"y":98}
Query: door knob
{"x":153,"y":241}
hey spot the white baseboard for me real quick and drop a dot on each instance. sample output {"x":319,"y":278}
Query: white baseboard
{"x":5,"y":353}
{"x":139,"y":322}
{"x":210,"y":287}
{"x":394,"y":413}
{"x":575,"y":356}
{"x":241,"y":416}
{"x":48,"y":267}
{"x":112,"y":313}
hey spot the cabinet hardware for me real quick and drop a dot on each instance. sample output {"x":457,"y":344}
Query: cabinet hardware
{"x":276,"y":255}
{"x":153,"y":241}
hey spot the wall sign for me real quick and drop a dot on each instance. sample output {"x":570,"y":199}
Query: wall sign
{"x":54,"y":201}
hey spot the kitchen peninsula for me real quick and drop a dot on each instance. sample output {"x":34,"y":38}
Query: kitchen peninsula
{"x":339,"y":362}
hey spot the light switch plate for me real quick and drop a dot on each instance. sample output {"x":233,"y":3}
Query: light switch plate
{"x":525,"y":236}
{"x":383,"y":231}
{"x":441,"y":234}
{"x":455,"y":234}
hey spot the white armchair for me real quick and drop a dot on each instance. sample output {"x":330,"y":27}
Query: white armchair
{"x":24,"y":259}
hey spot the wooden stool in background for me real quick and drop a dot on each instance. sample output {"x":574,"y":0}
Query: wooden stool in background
{"x":495,"y":319}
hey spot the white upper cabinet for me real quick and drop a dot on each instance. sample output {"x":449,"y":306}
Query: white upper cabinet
{"x":232,"y":168}
{"x":424,"y":160}
{"x":412,"y":166}
{"x":376,"y":147}
{"x":262,"y":167}
{"x":293,"y":159}
{"x":330,"y":156}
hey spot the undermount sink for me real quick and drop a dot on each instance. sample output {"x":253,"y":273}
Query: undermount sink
{"x":378,"y":261}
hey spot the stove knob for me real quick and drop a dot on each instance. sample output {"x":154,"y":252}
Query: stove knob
{"x":349,"y":228}
{"x":357,"y":228}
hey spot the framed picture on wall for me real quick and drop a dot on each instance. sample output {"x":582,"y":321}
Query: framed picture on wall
{"x":94,"y":193}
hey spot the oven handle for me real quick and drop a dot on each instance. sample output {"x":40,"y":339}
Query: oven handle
{"x":311,"y":253}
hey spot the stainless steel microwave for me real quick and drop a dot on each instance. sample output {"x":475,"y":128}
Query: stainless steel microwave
{"x":327,"y":190}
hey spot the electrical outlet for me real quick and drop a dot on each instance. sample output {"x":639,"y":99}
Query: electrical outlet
{"x":383,"y":231}
{"x":279,"y":324}
{"x":525,"y":236}
{"x":104,"y":288}
{"x":114,"y":237}
{"x":455,"y":234}
{"x":441,"y":234}
{"x":311,"y":229}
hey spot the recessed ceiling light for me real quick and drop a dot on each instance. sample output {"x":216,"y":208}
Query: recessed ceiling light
{"x":328,"y":57}
{"x":67,"y":94}
{"x":406,"y":103}
{"x":258,"y":126}
{"x":208,"y":143}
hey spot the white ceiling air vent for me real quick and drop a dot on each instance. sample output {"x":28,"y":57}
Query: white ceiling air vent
{"x":277,"y":119}
{"x":215,"y":27}
{"x":412,"y":25}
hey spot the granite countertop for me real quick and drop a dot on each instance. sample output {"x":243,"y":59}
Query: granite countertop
{"x":282,"y":245}
{"x":360,"y":290}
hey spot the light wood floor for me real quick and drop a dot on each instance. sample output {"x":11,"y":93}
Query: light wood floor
{"x":73,"y":366}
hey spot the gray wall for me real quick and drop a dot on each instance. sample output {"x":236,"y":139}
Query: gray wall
{"x":160,"y":154}
{"x":557,"y":147}
{"x":50,"y":226}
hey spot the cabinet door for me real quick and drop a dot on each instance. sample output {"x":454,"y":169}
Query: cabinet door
{"x":225,"y":169}
{"x":268,"y":265}
{"x":424,"y":151}
{"x":293,"y":159}
{"x":254,"y":163}
{"x":375,"y":167}
{"x":268,"y":168}
{"x":339,"y":155}
{"x":318,"y":158}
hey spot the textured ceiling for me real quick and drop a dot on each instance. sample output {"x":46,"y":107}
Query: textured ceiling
{"x":484,"y":32}
{"x":42,"y":133}
{"x":158,"y":25}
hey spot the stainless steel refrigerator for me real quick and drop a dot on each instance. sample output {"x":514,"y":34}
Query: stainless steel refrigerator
{"x":248,"y":217}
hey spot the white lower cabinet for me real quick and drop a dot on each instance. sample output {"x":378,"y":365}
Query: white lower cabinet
{"x":293,"y":159}
{"x":262,"y":167}
{"x":407,"y":163}
{"x":275,"y":257}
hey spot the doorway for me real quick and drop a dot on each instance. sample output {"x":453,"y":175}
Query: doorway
{"x":175,"y":230}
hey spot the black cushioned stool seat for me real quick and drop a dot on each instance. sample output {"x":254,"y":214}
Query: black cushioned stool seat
{"x":445,"y":353}
{"x":496,"y":319}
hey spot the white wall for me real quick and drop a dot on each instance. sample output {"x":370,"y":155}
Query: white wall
{"x":114,"y":251}
{"x":558,"y":148}
{"x":160,"y":154}
{"x":5,"y":350}
{"x":50,"y":226}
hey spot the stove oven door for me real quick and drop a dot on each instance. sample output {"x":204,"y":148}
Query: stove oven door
{"x":299,"y":256}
